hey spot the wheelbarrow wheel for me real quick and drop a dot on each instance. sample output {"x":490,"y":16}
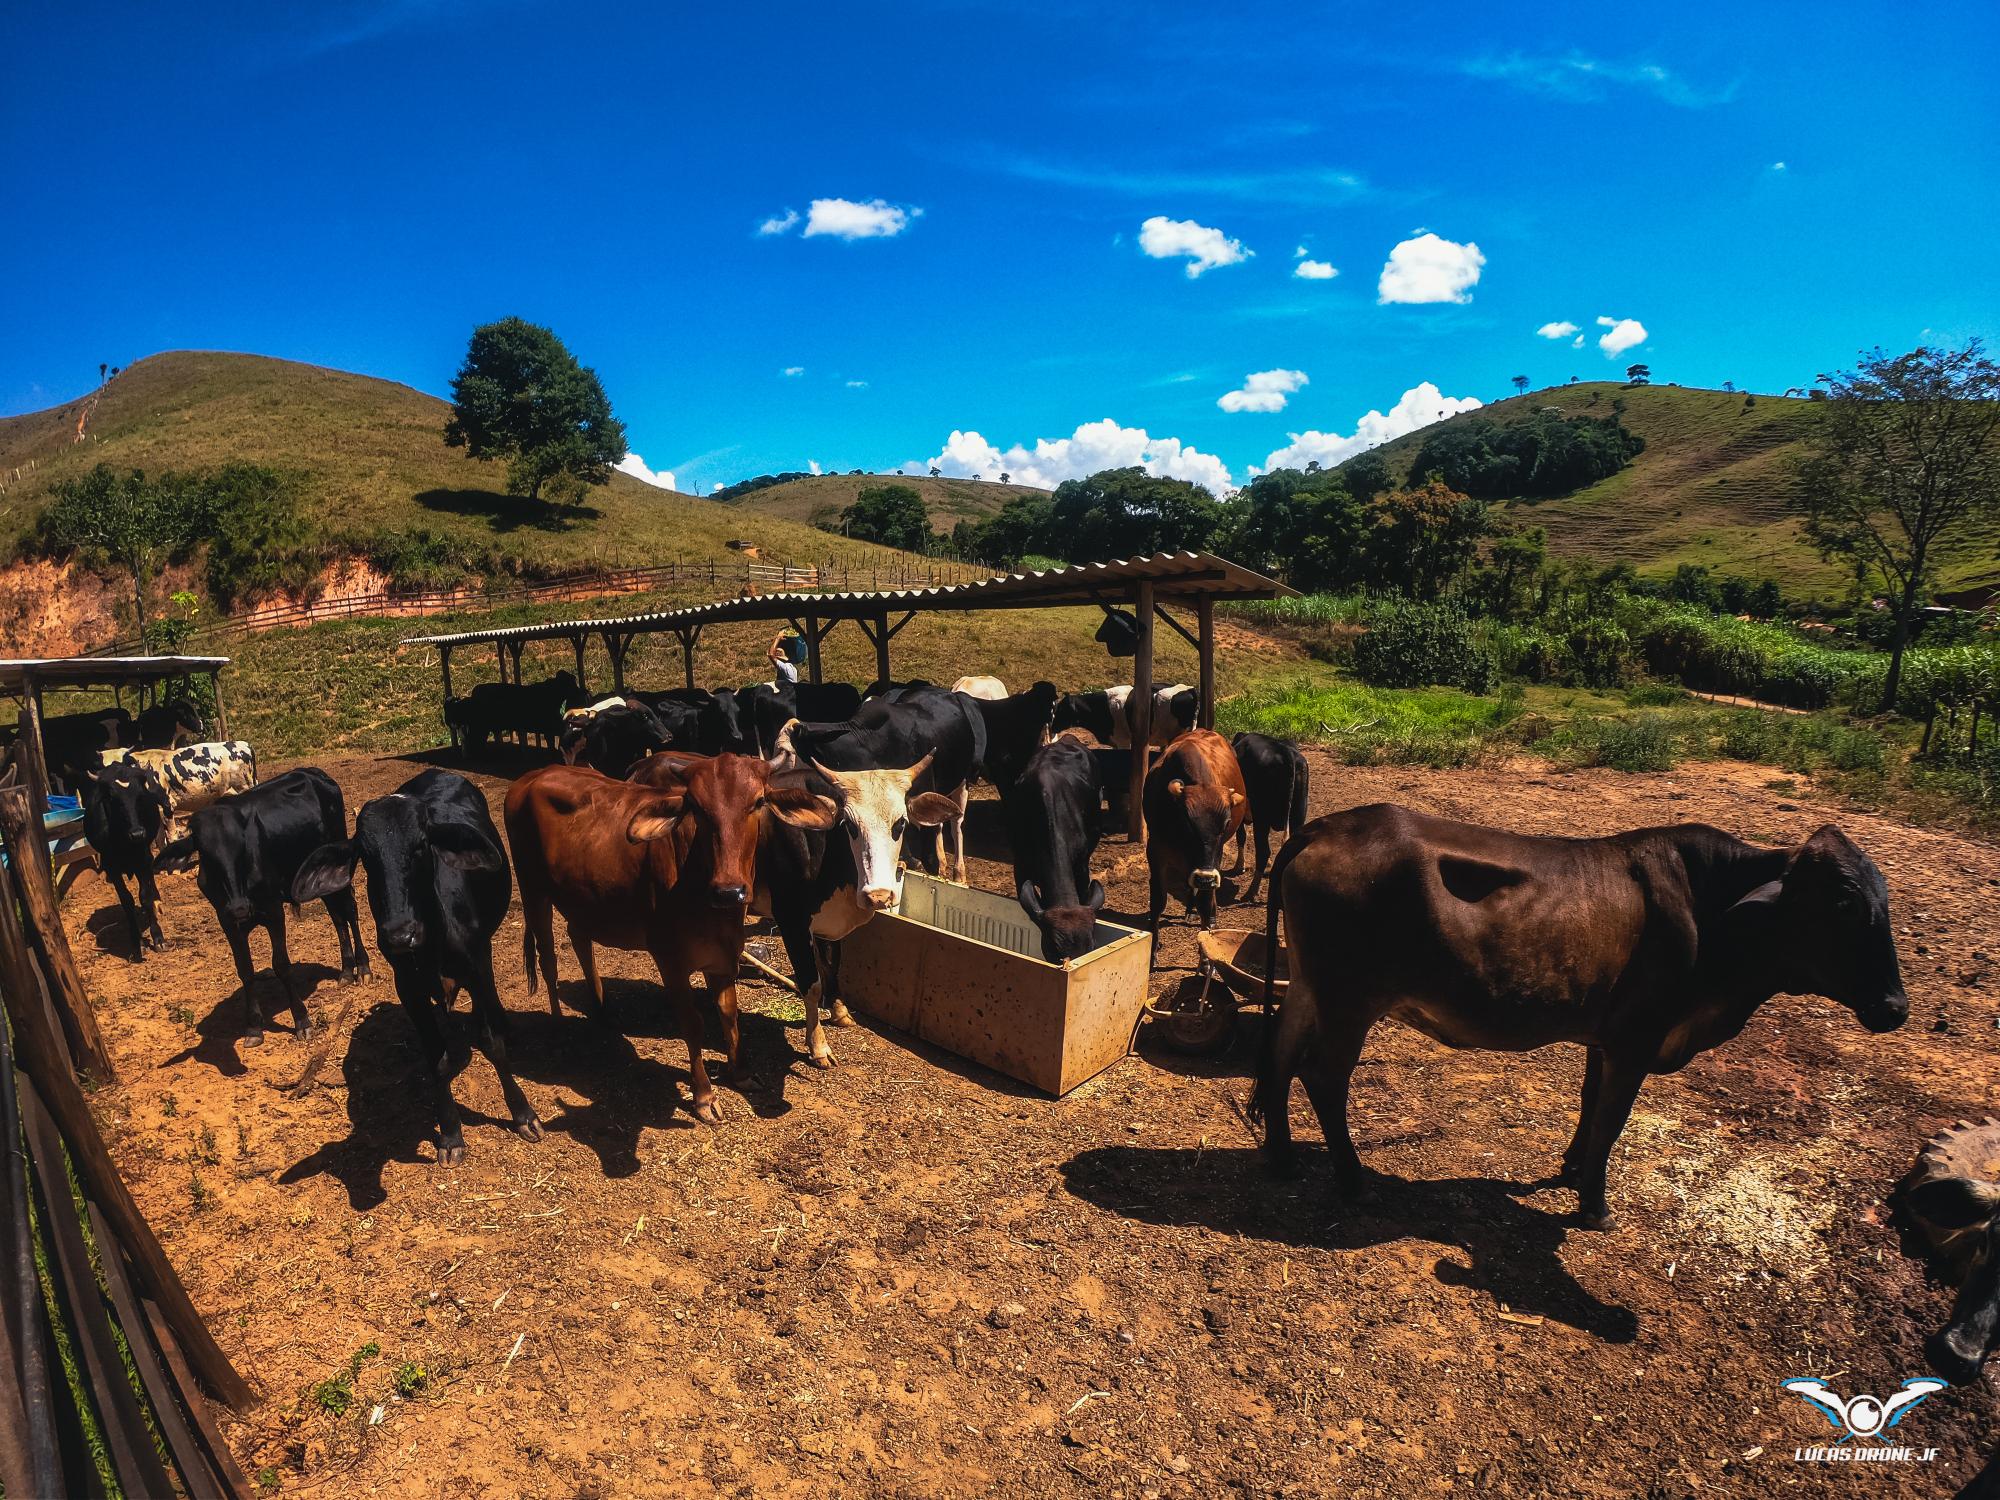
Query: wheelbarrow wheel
{"x":1201,"y":1028}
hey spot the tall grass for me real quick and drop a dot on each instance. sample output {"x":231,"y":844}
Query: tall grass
{"x":1364,"y":725}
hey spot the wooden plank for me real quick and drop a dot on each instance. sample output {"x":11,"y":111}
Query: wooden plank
{"x":1139,"y":711}
{"x":221,"y":712}
{"x":44,"y":1059}
{"x":34,"y":754}
{"x":44,"y":932}
{"x":1205,"y":622}
{"x":197,"y":1409}
{"x":126,"y":1440}
{"x":25,"y":1346}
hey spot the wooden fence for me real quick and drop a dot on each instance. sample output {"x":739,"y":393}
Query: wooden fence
{"x":592,"y":583}
{"x":143,"y":1366}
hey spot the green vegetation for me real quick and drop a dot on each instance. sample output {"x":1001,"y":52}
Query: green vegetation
{"x":1113,"y":513}
{"x":1546,"y":454}
{"x":521,"y":396}
{"x":818,"y":499}
{"x":128,"y":522}
{"x":1363,"y":725}
{"x":335,"y":1394}
{"x":892,"y":514}
{"x":1905,"y":464}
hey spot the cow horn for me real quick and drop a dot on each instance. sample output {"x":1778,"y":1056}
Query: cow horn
{"x":1031,"y":899}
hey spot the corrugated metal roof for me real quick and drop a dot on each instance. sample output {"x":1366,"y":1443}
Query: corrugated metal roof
{"x":100,"y":671}
{"x":1174,"y":575}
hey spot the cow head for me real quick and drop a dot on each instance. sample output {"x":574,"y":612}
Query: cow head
{"x":125,"y":808}
{"x":1968,"y":1211}
{"x":1209,"y":810}
{"x":876,"y":809}
{"x":715,"y":808}
{"x":1083,"y":711}
{"x":402,"y":847}
{"x":1824,"y":928}
{"x":1068,"y":932}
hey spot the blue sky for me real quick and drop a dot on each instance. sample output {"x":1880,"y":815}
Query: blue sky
{"x":1064,"y":232}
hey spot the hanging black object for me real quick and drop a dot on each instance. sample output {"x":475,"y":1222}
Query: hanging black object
{"x":1119,"y":634}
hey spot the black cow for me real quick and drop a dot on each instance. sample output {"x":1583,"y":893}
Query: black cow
{"x":614,"y":740}
{"x":886,"y":735}
{"x":166,"y":725}
{"x":888,"y":687}
{"x":497,"y":708}
{"x":1052,"y":827}
{"x":1015,"y":728}
{"x":438,"y":888}
{"x":1647,"y":948}
{"x":708,"y":723}
{"x":124,"y":810}
{"x":250,"y":848}
{"x":73,"y":744}
{"x":1275,"y":774}
{"x":773,"y":706}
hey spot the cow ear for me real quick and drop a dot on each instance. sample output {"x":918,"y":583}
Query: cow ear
{"x":175,"y":854}
{"x":1031,"y":899}
{"x":1177,"y":787}
{"x":1953,"y":1202}
{"x":464,"y":847}
{"x":1760,"y":900}
{"x":800,"y":808}
{"x":1235,"y":797}
{"x":932,"y":809}
{"x":327,"y":869}
{"x":1094,"y":897}
{"x":655,"y":819}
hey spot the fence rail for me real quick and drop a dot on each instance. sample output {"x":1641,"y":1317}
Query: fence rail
{"x":594,"y":583}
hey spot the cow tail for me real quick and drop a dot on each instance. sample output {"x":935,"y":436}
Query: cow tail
{"x":528,"y":949}
{"x":1295,"y":818}
{"x":254,"y":778}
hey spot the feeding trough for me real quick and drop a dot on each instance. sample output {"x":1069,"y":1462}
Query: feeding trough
{"x":962,"y":970}
{"x":1238,"y":960}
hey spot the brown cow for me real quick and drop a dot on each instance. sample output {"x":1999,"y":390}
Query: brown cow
{"x":1194,"y":801}
{"x":667,"y":871}
{"x":1647,"y":948}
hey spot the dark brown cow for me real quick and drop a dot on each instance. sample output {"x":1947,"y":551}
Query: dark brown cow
{"x":1194,"y":801}
{"x":1647,"y":948}
{"x":665,"y":871}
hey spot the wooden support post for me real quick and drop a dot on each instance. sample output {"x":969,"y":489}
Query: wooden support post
{"x":40,"y":922}
{"x":444,"y":664}
{"x":615,"y":647}
{"x":221,"y":712}
{"x":1204,"y":611}
{"x":576,"y":645}
{"x":881,"y":635}
{"x":34,"y":757}
{"x":500,"y":653}
{"x":690,"y":638}
{"x":813,"y":637}
{"x":1139,"y":710}
{"x":514,"y":649}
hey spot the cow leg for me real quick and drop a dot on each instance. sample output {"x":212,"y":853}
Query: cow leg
{"x":1242,"y":829}
{"x":1157,"y":904}
{"x":428,"y":1018}
{"x":1579,"y":1145}
{"x":1329,"y":1069}
{"x":1285,"y":1036}
{"x":1617,"y":1090}
{"x":802,"y":950}
{"x":538,"y":941}
{"x":281,"y":965}
{"x":722,"y":985}
{"x":586,"y":958}
{"x":131,"y":913}
{"x":490,"y":1017}
{"x":689,"y":1010}
{"x":1263,"y":858}
{"x":829,"y":968}
{"x":149,"y":899}
{"x":238,"y":939}
{"x":347,"y":928}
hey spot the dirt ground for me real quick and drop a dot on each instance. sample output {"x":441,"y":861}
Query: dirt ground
{"x":908,"y":1277}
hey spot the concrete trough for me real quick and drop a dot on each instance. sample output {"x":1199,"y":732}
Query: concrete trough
{"x":962,"y":970}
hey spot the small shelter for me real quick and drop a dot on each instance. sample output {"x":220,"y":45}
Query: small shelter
{"x":26,"y":679}
{"x":1144,"y":585}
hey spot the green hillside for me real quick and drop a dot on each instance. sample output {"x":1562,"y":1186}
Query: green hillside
{"x":821,"y":498}
{"x":371,"y":460}
{"x":1714,"y":486}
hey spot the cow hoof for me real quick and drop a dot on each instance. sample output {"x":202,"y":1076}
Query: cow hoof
{"x":451,"y":1156}
{"x":1596,"y":1219}
{"x":840,"y":1015}
{"x":251,"y":1039}
{"x":707,"y":1113}
{"x":529,"y":1129}
{"x":822,"y":1059}
{"x":1283,"y":1164}
{"x":302,"y":1030}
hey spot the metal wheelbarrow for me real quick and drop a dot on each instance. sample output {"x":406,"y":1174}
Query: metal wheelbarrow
{"x":1232,"y":972}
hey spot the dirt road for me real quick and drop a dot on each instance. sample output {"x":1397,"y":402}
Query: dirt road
{"x":907,"y":1277}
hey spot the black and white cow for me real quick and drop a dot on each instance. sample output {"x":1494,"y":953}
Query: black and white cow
{"x":165,"y":725}
{"x":1013,"y":729}
{"x":1107,"y":714}
{"x":248,"y":850}
{"x":614,"y":739}
{"x":438,"y":888}
{"x":194,"y":775}
{"x":1052,"y":828}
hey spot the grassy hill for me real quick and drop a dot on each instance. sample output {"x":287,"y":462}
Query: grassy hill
{"x":1714,"y":486}
{"x":823,"y":497}
{"x":371,"y":460}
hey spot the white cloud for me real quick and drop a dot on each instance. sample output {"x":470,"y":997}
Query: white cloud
{"x":845,"y":219}
{"x":793,"y":371}
{"x":1577,"y":342}
{"x":1419,"y":407}
{"x":1314,"y":270}
{"x":634,"y":465}
{"x":1430,"y":269}
{"x":1560,"y":330}
{"x":1266,"y":390}
{"x":1093,"y":446}
{"x":812,"y":466}
{"x":1300,"y":253}
{"x":1620,"y":334}
{"x":1777,"y":166}
{"x":1205,"y":248}
{"x":857,"y":385}
{"x":1583,"y":79}
{"x":782,"y":223}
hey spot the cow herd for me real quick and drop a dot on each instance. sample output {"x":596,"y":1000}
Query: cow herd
{"x":672,"y":819}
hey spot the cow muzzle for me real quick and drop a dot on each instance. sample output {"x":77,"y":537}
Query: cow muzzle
{"x":1885,"y":1014}
{"x":1206,"y":880}
{"x":880,"y":898}
{"x":402,"y":937}
{"x":727,"y":897}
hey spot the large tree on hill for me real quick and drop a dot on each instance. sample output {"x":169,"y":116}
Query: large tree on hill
{"x":127,"y":521}
{"x":522,"y":396}
{"x":1902,"y":463}
{"x":892,"y":514}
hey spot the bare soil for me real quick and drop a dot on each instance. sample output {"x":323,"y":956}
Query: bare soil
{"x":907,"y":1276}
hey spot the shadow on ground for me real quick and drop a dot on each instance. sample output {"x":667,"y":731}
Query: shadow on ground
{"x":505,"y":513}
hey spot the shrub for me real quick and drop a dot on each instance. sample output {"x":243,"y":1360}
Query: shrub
{"x":1642,"y":744}
{"x":1421,"y":645}
{"x":1601,"y":651}
{"x":1528,"y":651}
